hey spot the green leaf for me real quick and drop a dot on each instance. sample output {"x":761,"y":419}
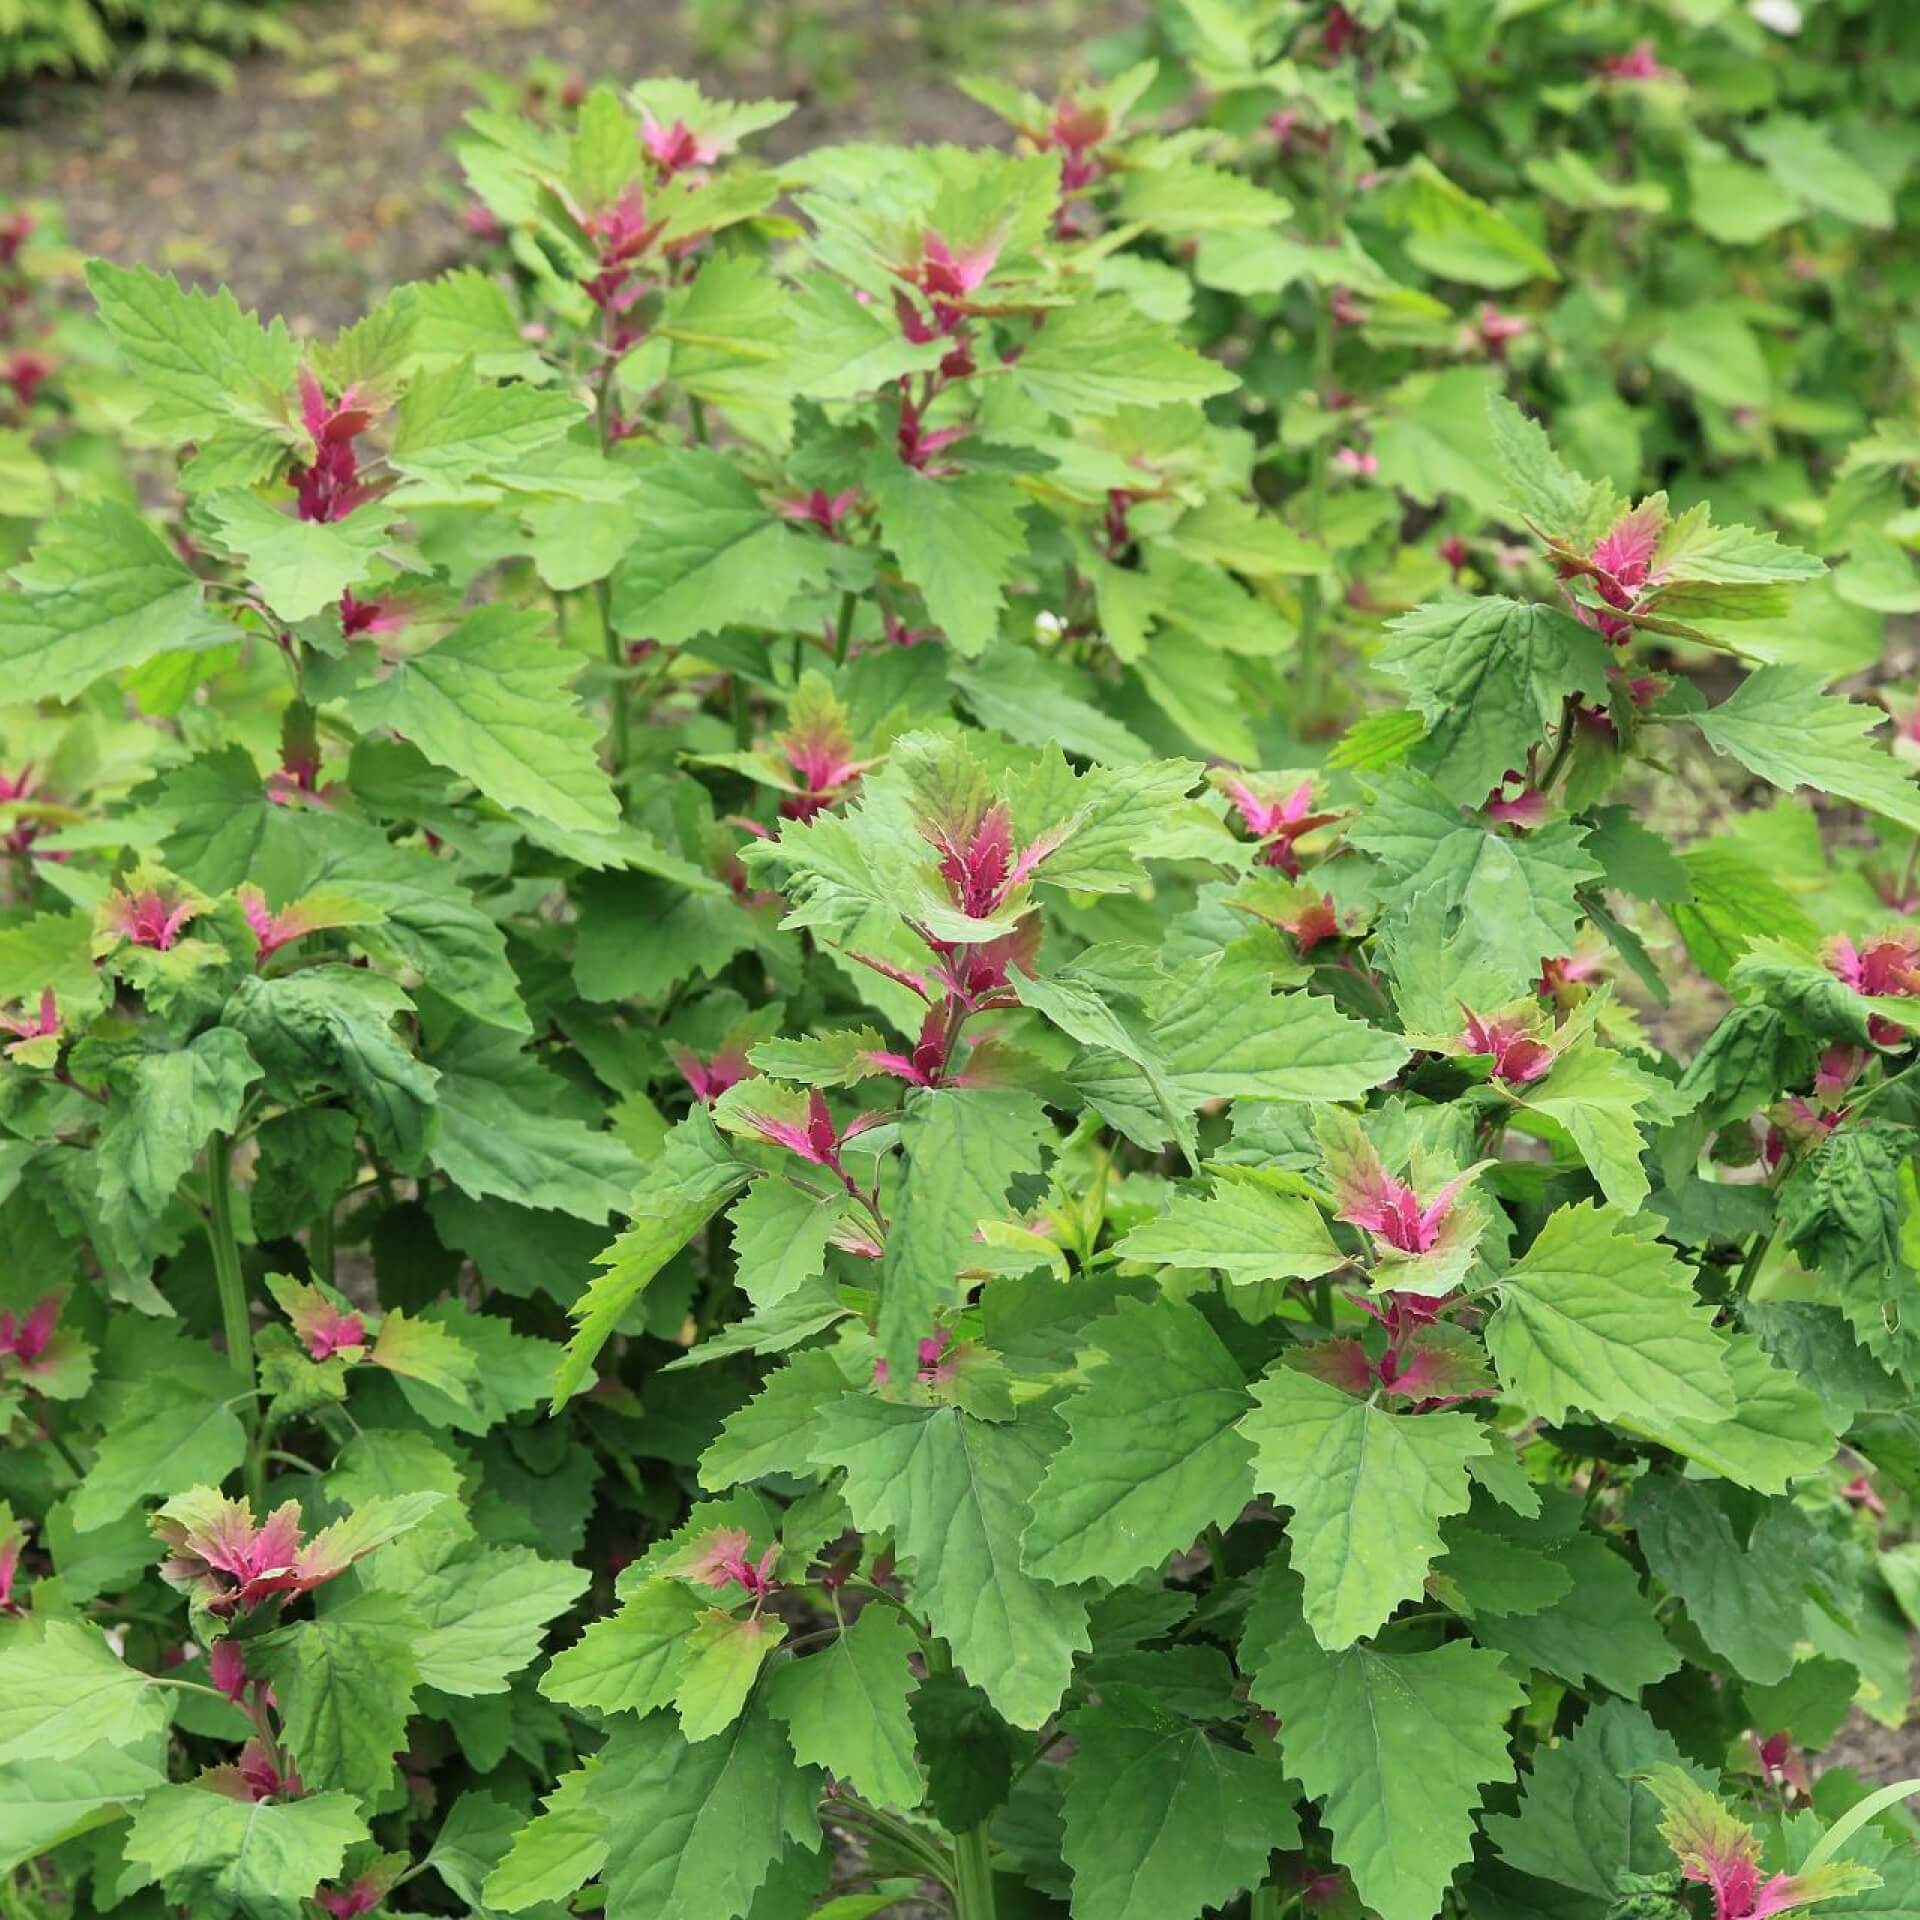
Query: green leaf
{"x":1747,"y":1598}
{"x":464,"y":315}
{"x":1846,"y":1206}
{"x":1100,"y":355}
{"x":1603,"y":1628}
{"x":1457,"y":237}
{"x":1368,"y":1489}
{"x":1584,"y":1818}
{"x":256,"y":1859}
{"x":422,"y":1352}
{"x":693,"y":1176}
{"x":957,"y":538}
{"x":718,"y":1814}
{"x":1221,"y":1033}
{"x":63,"y":1690}
{"x":965,"y":1147}
{"x":168,"y":1436}
{"x":495,"y":1138}
{"x":967,"y":1748}
{"x":1777,"y":1432}
{"x":205,"y":368}
{"x":1800,"y":156}
{"x":1544,"y":490}
{"x":630,"y":1662}
{"x":1396,"y":1746}
{"x":484,"y":1614}
{"x":1600,"y":1097}
{"x":1734,"y":204}
{"x":1241,"y":1228}
{"x":492,"y":702}
{"x":772,"y":1430}
{"x":780,"y":1235}
{"x":1711,"y":348}
{"x":453,"y":426}
{"x":46,"y":1802}
{"x":1162,"y":1821}
{"x":1490,"y":677}
{"x":164,"y":1107}
{"x":330,"y":1028}
{"x":722,"y":1660}
{"x":1041,"y":702}
{"x":845,"y":1708}
{"x":300,"y":566}
{"x":1592,"y":1316}
{"x":957,"y":1492}
{"x":102,"y":592}
{"x":1779,"y":724}
{"x":344,"y":1682}
{"x":1440,"y":864}
{"x":709,"y":552}
{"x":1153,"y":1457}
{"x":557,"y":1851}
{"x":844,"y":347}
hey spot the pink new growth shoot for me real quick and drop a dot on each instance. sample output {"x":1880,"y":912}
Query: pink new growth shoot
{"x":1276,"y":822}
{"x":1519,"y":1056}
{"x":1389,"y":1209}
{"x":1717,"y":1849}
{"x":153,"y":917}
{"x":720,"y":1561}
{"x":1887,"y":967}
{"x":25,"y":1338}
{"x":329,"y":488}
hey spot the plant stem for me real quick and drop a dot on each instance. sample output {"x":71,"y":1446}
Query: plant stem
{"x":1311,"y":661}
{"x":320,"y":1244}
{"x":972,"y":1850}
{"x":232,"y":1282}
{"x":842,"y":629}
{"x":619,"y":713}
{"x":973,"y":1896}
{"x":1750,"y":1266}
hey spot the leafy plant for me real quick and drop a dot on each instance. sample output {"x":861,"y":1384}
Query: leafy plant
{"x":137,"y":39}
{"x":697,"y":1227}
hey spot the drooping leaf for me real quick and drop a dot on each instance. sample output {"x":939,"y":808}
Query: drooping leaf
{"x":957,"y":1491}
{"x":1162,"y":1820}
{"x":492,"y":702}
{"x":1153,"y":1456}
{"x":1368,"y":1489}
{"x":344,"y":1682}
{"x":1591,"y":1316}
{"x":1397,"y":1747}
{"x":257,"y":1860}
{"x":845,"y":1708}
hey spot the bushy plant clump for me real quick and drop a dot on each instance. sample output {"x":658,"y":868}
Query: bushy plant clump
{"x":827,"y":1076}
{"x":136,"y":39}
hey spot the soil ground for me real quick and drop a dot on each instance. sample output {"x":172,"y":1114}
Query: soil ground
{"x":323,"y":178}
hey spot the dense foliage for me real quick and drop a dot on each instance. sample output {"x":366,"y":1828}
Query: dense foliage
{"x":828,"y":1075}
{"x":136,"y":39}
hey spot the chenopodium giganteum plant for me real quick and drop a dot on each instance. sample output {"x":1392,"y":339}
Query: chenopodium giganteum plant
{"x":738,"y":1199}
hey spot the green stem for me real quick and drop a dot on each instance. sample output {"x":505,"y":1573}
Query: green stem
{"x":973,"y":1864}
{"x":619,"y":712}
{"x":742,"y":715}
{"x":320,"y":1244}
{"x":972,"y":1850}
{"x":232,"y":1283}
{"x":842,"y":628}
{"x":1311,"y":660}
{"x":1750,"y":1266}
